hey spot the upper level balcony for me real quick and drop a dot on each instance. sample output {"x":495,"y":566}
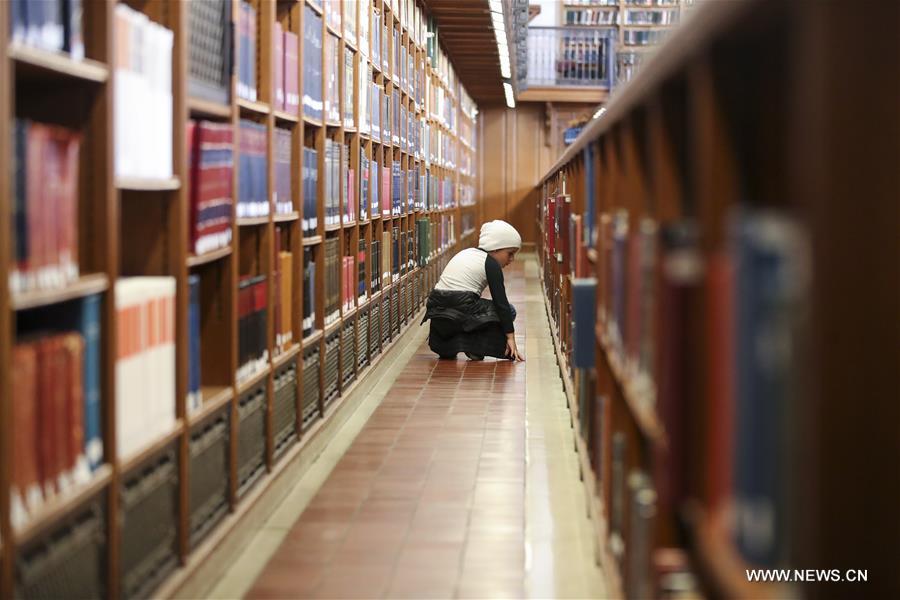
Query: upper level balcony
{"x":567,"y":64}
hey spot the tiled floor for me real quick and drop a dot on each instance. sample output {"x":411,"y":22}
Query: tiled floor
{"x":446,"y":490}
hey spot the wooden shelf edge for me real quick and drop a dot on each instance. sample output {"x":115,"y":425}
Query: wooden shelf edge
{"x":214,"y":398}
{"x":130,"y":462}
{"x":59,"y":64}
{"x":313,"y":122}
{"x":285,"y":116}
{"x":86,"y":285}
{"x":286,"y":217}
{"x":260,"y":108}
{"x":203,"y":259}
{"x":286,"y":356}
{"x":205,"y":108}
{"x":50,"y":512}
{"x":254,"y":379}
{"x":311,"y":241}
{"x":252,"y":221}
{"x":645,"y":417}
{"x":311,"y":339}
{"x":148,"y":185}
{"x":598,"y":518}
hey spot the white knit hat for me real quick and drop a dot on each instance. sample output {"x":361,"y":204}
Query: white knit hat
{"x":496,"y":235}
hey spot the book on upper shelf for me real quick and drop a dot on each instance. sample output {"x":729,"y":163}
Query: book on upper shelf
{"x":145,"y":361}
{"x":333,"y":102}
{"x":282,"y":158}
{"x":209,"y":51}
{"x":54,"y":26}
{"x":44,"y":223}
{"x":253,"y":200}
{"x":361,"y":271}
{"x":211,"y":164}
{"x":253,"y":350}
{"x":312,"y":64}
{"x":143,"y":96}
{"x":247,"y":60}
{"x":310,"y":191}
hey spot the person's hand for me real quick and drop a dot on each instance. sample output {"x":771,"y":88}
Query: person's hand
{"x":512,"y":351}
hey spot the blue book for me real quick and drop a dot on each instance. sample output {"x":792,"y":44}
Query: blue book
{"x":194,"y":399}
{"x":771,"y":279}
{"x":584,"y":305}
{"x":90,"y":330}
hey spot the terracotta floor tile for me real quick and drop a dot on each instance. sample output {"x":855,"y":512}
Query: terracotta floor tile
{"x":354,"y":582}
{"x":429,"y":555}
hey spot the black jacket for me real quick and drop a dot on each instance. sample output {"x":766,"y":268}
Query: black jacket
{"x":464,"y":322}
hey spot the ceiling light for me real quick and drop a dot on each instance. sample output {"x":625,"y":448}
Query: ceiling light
{"x":510,"y":100}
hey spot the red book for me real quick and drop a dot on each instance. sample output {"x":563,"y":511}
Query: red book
{"x":291,"y":72}
{"x":386,"y":191}
{"x":67,"y":149}
{"x":25,"y":467}
{"x":721,"y":378}
{"x":193,"y":153}
{"x":278,"y":66}
{"x":57,"y":413}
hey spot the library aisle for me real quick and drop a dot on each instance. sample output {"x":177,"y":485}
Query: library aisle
{"x":463,"y":482}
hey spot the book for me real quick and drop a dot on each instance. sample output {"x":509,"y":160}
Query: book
{"x":194,"y":398}
{"x":253,"y":198}
{"x":291,"y":46}
{"x":363,"y":185}
{"x":584,"y":301}
{"x":45,"y":217}
{"x":332,"y":83}
{"x":282,"y":158}
{"x":310,"y":191}
{"x":313,"y":105}
{"x":771,"y":289}
{"x":211,"y":164}
{"x":247,"y":28}
{"x":309,"y":292}
{"x":285,"y":331}
{"x":210,"y":55}
{"x":347,"y":88}
{"x":361,"y":271}
{"x":253,"y":351}
{"x":278,"y":67}
{"x":145,"y":361}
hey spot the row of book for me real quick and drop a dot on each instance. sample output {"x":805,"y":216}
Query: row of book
{"x":281,"y":195}
{"x":656,"y":286}
{"x":312,"y":64}
{"x":45,"y":208}
{"x":286,"y":56}
{"x":143,"y":96}
{"x":332,"y":98}
{"x":337,"y":175}
{"x":211,"y":160}
{"x":54,"y":25}
{"x":253,"y":196}
{"x":587,"y":16}
{"x":253,"y":348}
{"x":57,"y":436}
{"x":247,"y":44}
{"x":375,"y":276}
{"x":332,"y":308}
{"x":349,"y":285}
{"x":283,"y":277}
{"x":145,"y":361}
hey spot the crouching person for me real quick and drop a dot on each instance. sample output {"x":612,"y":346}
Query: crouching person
{"x":463,"y":321}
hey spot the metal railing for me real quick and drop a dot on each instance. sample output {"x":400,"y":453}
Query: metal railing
{"x":566,"y":56}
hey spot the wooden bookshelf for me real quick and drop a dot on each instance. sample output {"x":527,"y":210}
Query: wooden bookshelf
{"x":682,"y":159}
{"x":140,"y":227}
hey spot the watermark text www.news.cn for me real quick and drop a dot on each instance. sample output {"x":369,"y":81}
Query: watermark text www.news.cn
{"x":808,"y":575}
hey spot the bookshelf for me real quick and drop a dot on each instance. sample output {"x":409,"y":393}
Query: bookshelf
{"x":651,"y":229}
{"x":209,"y":252}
